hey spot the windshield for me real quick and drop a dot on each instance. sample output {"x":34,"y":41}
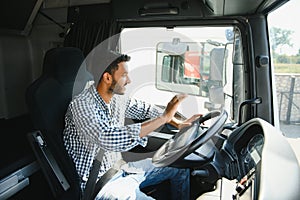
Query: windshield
{"x":193,"y":60}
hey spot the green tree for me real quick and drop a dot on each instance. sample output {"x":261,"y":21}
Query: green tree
{"x":280,"y":37}
{"x":283,"y":59}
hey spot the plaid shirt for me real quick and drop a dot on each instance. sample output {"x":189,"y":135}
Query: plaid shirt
{"x":90,"y":124}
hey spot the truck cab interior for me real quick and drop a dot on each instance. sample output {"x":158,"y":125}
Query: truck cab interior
{"x":215,"y":51}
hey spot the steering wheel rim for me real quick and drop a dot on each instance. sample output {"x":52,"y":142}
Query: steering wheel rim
{"x":188,"y":139}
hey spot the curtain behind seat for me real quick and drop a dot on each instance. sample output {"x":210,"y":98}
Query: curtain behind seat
{"x":86,"y":35}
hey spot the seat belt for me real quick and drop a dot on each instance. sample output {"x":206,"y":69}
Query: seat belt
{"x":93,"y":186}
{"x":103,"y":180}
{"x":91,"y":182}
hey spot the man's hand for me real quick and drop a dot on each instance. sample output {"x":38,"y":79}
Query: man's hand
{"x":181,"y":124}
{"x":189,"y":121}
{"x":172,"y":107}
{"x":150,"y":125}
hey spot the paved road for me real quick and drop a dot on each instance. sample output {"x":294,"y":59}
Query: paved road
{"x":292,"y":132}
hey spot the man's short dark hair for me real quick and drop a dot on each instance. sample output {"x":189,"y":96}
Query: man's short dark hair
{"x":101,"y":60}
{"x":113,"y":66}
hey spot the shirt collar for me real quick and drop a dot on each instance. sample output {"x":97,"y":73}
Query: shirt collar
{"x":98,"y":98}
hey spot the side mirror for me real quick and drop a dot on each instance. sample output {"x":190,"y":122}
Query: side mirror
{"x":191,"y":67}
{"x":178,"y":65}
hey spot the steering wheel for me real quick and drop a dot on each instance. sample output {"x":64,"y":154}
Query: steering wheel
{"x":188,"y":139}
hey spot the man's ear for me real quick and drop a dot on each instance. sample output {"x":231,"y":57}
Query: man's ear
{"x":107,"y":77}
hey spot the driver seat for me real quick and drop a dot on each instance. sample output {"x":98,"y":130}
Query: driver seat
{"x":48,"y":98}
{"x":64,"y":75}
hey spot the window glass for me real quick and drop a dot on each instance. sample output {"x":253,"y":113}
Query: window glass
{"x":285,"y":51}
{"x":194,"y":60}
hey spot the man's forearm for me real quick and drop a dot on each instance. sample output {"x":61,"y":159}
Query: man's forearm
{"x":151,"y":125}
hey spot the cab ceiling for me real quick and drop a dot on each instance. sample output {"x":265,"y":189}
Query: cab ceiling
{"x":208,"y":7}
{"x":18,"y":15}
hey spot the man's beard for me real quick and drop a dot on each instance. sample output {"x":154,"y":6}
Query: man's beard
{"x":115,"y":88}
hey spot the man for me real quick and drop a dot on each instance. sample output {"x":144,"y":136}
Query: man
{"x":95,"y":119}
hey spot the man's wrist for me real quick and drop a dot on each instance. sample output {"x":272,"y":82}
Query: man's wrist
{"x":175,"y":122}
{"x":164,"y":119}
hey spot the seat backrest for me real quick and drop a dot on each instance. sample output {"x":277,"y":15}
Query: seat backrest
{"x":48,"y":98}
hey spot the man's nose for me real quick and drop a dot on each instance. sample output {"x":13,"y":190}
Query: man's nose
{"x":128,"y":80}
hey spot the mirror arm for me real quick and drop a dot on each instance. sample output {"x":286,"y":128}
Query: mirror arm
{"x":256,"y":100}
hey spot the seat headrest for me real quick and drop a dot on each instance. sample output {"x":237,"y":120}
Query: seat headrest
{"x":63,"y":63}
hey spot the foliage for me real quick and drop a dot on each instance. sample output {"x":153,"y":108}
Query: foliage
{"x":280,"y":37}
{"x":282,"y":59}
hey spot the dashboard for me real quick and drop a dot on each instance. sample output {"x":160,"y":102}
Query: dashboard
{"x":250,"y":155}
{"x":260,"y":159}
{"x":255,"y":155}
{"x":243,"y":151}
{"x":243,"y":154}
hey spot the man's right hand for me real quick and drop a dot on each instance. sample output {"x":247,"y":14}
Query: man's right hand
{"x":172,"y":107}
{"x":150,"y":125}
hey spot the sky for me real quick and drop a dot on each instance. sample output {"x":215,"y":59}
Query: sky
{"x":286,"y":17}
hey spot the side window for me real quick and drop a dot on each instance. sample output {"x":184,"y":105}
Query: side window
{"x":285,"y":49}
